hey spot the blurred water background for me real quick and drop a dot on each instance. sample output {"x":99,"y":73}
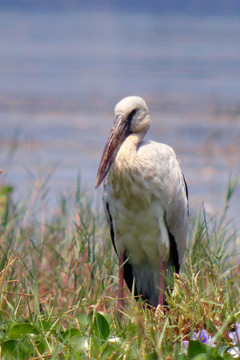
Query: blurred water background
{"x":62,"y":70}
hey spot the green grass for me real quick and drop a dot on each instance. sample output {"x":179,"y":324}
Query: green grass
{"x":58,"y":288}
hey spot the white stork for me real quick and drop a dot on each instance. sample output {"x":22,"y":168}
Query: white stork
{"x":146,"y":203}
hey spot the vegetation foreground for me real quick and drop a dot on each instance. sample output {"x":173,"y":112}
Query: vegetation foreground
{"x":58,"y":282}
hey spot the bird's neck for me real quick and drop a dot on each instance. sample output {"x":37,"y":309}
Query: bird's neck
{"x":124,"y":174}
{"x":124,"y":163}
{"x":128,"y":149}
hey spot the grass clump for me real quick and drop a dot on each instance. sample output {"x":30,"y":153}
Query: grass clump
{"x":58,"y":282}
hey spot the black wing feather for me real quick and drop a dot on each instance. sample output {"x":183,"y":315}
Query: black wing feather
{"x":174,"y":252}
{"x":128,"y":271}
{"x":111,"y":227}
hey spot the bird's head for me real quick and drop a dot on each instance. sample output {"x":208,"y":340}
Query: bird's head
{"x":131,"y":117}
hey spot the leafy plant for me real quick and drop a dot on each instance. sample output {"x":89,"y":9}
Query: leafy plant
{"x":58,"y":281}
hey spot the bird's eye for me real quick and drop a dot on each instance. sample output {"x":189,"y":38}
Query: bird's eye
{"x":131,"y":115}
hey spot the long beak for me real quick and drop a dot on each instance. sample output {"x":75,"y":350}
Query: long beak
{"x":117,"y":135}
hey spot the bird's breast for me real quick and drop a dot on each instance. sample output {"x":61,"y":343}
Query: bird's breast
{"x":128,"y":181}
{"x":138,"y":218}
{"x":127,"y":185}
{"x":138,"y":234}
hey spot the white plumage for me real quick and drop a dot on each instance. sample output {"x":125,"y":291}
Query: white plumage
{"x":145,"y":199}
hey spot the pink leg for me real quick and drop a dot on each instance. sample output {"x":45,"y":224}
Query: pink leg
{"x":161,"y":284}
{"x":120,"y":304}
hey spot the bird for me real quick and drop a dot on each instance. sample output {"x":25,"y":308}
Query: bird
{"x":145,"y":198}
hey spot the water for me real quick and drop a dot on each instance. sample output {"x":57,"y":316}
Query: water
{"x":62,"y":74}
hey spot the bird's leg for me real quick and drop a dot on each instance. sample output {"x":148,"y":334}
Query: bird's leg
{"x":120,"y":304}
{"x":161,"y":284}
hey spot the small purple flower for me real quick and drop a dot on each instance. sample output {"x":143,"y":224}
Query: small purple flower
{"x":235,"y":337}
{"x":185,"y":344}
{"x":202,"y":336}
{"x":234,"y":351}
